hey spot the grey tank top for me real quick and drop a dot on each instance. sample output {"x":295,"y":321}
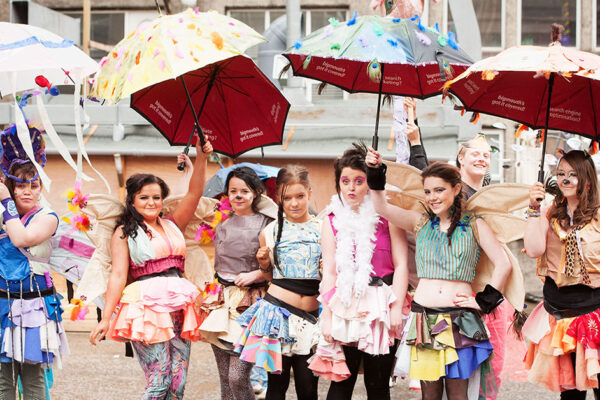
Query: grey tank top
{"x":236,"y":243}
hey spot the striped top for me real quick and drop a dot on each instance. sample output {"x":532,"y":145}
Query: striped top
{"x":436,"y":260}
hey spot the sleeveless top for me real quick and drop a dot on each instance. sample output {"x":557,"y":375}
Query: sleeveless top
{"x":382,"y":261}
{"x":436,"y":260}
{"x":572,"y":262}
{"x":299,"y":249}
{"x":236,"y":243}
{"x":18,"y":263}
{"x":158,"y":253}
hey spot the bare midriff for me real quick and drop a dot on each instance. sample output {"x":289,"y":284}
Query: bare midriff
{"x":440,"y":293}
{"x":305,"y":303}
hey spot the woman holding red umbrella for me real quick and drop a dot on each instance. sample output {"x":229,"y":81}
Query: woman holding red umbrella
{"x":563,"y":354}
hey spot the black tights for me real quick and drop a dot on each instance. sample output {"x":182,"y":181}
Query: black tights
{"x":456,"y":389}
{"x":377,"y":370}
{"x":306,"y":382}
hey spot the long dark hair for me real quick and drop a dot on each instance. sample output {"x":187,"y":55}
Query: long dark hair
{"x":587,"y":191}
{"x":131,"y":219}
{"x":24,"y":171}
{"x":451,"y":175}
{"x":353,"y":158}
{"x":288,"y":175}
{"x":251,"y":180}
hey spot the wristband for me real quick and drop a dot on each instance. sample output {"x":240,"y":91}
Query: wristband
{"x":10,"y":209}
{"x":489,"y":299}
{"x":376,"y":177}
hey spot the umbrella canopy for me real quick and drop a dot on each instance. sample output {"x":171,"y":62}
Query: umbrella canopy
{"x":414,"y":60}
{"x":28,"y":51}
{"x":237,"y":106}
{"x":541,"y":87}
{"x":216,"y":185}
{"x":167,"y":48}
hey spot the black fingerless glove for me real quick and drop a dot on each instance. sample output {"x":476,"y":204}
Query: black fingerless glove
{"x":376,"y":177}
{"x":489,"y":299}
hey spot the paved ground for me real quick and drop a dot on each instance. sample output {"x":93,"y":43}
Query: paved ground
{"x":104,"y":372}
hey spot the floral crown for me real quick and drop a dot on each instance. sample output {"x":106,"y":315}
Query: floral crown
{"x":12,"y":152}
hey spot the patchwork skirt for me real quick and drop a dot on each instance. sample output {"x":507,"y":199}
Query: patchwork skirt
{"x":564,"y":353}
{"x":145,"y":310}
{"x":272,"y":329}
{"x":31,"y":322}
{"x":447,"y":342}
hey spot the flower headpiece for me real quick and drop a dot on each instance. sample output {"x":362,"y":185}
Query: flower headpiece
{"x":206,"y":233}
{"x":12,"y":151}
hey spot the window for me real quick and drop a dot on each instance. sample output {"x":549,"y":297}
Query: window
{"x":259,"y":20}
{"x":106,"y":27}
{"x":537,"y":16}
{"x":490,"y":18}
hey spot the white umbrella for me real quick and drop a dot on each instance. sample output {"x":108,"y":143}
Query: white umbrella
{"x":28,"y":51}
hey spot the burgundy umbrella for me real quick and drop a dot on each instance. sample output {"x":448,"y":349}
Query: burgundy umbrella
{"x":234,"y":103}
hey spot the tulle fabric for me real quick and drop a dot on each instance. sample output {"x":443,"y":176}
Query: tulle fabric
{"x":146,"y":305}
{"x":271,"y":331}
{"x":551,"y":345}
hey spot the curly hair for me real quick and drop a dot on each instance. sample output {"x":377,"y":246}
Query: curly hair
{"x":587,"y":192}
{"x":248,"y":175}
{"x":451,"y":175}
{"x":131,"y":219}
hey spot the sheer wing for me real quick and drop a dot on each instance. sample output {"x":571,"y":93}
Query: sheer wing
{"x":105,"y":211}
{"x":404,"y":186}
{"x":501,"y":206}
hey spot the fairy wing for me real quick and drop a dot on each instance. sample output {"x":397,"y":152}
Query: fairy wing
{"x":501,"y":206}
{"x":198,"y":268}
{"x":105,"y":211}
{"x":404,"y":186}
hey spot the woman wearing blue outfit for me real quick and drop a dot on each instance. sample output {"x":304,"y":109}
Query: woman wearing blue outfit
{"x":281,"y":329}
{"x":30,"y":313}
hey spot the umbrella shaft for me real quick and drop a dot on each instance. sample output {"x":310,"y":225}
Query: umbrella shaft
{"x":375,"y":137}
{"x":550,"y":85}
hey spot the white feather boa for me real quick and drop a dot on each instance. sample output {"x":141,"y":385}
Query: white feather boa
{"x":355,"y":243}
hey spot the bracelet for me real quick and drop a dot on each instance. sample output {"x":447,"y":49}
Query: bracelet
{"x":488,"y":299}
{"x":533,"y":210}
{"x":266,"y":270}
{"x":10,"y":209}
{"x":376,"y":177}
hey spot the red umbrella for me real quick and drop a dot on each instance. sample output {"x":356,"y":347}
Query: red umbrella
{"x":541,"y":87}
{"x":237,"y":107}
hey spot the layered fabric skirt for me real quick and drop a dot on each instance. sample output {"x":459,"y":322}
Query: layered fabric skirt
{"x":446,"y":342}
{"x":272,"y":329}
{"x":365,"y":323}
{"x":32,"y":331}
{"x":146,"y":307}
{"x":221,"y":307}
{"x":563,"y":354}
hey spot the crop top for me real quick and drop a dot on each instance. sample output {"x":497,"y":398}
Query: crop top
{"x":299,"y":250}
{"x":436,"y":260}
{"x":157,"y":254}
{"x":236,"y":244}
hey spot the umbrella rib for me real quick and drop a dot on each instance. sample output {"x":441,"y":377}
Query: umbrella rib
{"x":593,"y":108}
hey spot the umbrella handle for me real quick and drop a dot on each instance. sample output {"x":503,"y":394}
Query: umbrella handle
{"x":181,"y":165}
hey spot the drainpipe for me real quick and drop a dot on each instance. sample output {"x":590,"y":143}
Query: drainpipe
{"x":294,"y":90}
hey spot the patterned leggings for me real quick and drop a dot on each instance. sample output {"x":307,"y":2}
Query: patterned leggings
{"x":234,"y":375}
{"x":165,"y":364}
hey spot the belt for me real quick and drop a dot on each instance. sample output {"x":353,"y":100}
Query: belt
{"x":227,"y":283}
{"x":310,"y":316}
{"x":380,"y":280}
{"x":27,"y":295}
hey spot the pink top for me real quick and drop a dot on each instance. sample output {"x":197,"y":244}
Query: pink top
{"x":159,"y":253}
{"x":383,"y":264}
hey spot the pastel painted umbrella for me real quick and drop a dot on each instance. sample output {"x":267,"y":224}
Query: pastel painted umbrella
{"x":379,"y":55}
{"x":239,"y":107}
{"x":165,"y":50}
{"x":28,"y":51}
{"x":544,"y":88}
{"x":215,"y":186}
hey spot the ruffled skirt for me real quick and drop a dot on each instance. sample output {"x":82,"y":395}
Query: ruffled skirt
{"x":220,"y":308}
{"x":272,"y":330}
{"x":445,"y":343}
{"x":32,"y":331}
{"x":552,"y":343}
{"x":146,"y":307}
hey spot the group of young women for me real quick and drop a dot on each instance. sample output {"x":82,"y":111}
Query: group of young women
{"x":327,"y":297}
